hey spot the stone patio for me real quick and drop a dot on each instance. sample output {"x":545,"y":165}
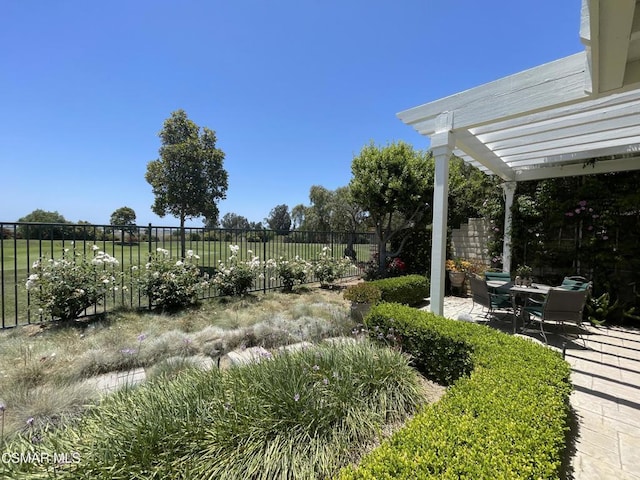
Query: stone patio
{"x":606,"y":398}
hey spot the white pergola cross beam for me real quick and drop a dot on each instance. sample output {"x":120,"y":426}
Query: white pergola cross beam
{"x":544,"y":122}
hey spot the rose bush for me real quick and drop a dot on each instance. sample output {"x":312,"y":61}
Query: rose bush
{"x":171,"y":283}
{"x":63,"y":288}
{"x":236,"y":277}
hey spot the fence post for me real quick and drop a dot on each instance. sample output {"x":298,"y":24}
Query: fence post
{"x":149,"y":258}
{"x":264,"y":260}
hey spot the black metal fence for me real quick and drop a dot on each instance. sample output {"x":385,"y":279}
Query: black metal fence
{"x":22,"y":244}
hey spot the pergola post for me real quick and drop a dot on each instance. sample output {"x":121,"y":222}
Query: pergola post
{"x":441,"y":147}
{"x":509,"y":190}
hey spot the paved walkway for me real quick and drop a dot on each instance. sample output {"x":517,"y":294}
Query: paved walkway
{"x":606,"y":398}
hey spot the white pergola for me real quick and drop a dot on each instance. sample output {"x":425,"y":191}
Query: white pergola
{"x":541,"y":123}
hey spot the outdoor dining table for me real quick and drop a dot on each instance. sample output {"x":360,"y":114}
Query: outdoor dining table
{"x":521,"y":297}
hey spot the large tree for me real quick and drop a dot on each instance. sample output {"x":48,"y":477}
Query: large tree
{"x":394,"y":185}
{"x":189,"y":178}
{"x":50,"y":225}
{"x":318,"y":215}
{"x":298,"y":214}
{"x":279,"y":219}
{"x":233,"y":221}
{"x":124,"y":218}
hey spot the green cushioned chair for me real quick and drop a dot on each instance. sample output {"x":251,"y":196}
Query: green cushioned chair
{"x":491,"y":301}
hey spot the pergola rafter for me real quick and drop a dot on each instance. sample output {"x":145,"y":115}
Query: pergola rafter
{"x":544,"y":122}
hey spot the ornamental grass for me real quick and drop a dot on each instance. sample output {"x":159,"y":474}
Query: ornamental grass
{"x":303,"y":414}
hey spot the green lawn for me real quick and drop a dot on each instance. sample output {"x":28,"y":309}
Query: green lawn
{"x":17,"y":256}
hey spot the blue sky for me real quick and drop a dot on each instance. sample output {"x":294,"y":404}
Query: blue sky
{"x":293,"y":88}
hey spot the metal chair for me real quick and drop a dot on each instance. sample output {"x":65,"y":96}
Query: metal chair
{"x":560,"y":307}
{"x":481,"y":295}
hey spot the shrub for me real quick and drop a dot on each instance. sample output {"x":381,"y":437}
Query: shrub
{"x":171,"y":284}
{"x":328,"y":269}
{"x":409,"y":290}
{"x":236,"y":276}
{"x":290,"y":272}
{"x":507,"y":418}
{"x":66,"y":287}
{"x":363,"y":292}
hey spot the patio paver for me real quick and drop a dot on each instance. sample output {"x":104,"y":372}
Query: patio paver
{"x":606,"y":397}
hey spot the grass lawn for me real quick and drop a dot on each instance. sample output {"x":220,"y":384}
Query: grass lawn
{"x":323,"y":406}
{"x":17,"y":256}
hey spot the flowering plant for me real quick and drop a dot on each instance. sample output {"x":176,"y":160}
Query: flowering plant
{"x":396,"y":266}
{"x":64,"y":288}
{"x":458,"y":265}
{"x":524,"y":271}
{"x":290,"y":272}
{"x":328,"y":269}
{"x":171,"y":283}
{"x":235,"y":277}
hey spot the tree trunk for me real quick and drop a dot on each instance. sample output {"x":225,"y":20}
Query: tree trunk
{"x":183,"y":239}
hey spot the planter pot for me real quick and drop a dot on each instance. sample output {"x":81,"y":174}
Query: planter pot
{"x":359,"y":311}
{"x":457,"y":279}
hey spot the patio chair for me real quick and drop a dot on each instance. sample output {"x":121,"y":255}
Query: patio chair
{"x":560,"y":307}
{"x":499,"y":276}
{"x":481,"y":295}
{"x":575,"y":282}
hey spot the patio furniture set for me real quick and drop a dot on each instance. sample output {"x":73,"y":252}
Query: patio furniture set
{"x":560,"y":305}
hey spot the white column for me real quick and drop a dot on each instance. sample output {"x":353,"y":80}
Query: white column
{"x":509,"y":189}
{"x":441,"y":146}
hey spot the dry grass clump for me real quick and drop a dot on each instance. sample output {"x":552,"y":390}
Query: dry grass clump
{"x":42,"y":369}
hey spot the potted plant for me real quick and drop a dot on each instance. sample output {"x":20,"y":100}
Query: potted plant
{"x":523,"y":275}
{"x":457,"y":269}
{"x":362,"y":296}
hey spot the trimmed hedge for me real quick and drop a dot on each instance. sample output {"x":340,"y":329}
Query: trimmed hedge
{"x":506,"y":418}
{"x":408,"y":289}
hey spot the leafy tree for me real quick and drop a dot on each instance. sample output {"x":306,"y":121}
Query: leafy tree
{"x":211,"y":223}
{"x":346,"y":214}
{"x":188,"y":178}
{"x":394,"y":185}
{"x":318,"y":215}
{"x":298,"y":214}
{"x":279,"y":219}
{"x":125,"y":219}
{"x":123,"y":216}
{"x":234,"y":221}
{"x":53,"y":230}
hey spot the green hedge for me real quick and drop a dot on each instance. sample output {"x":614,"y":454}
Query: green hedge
{"x":506,"y":418}
{"x":408,"y":290}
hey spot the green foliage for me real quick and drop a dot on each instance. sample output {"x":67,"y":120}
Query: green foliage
{"x":297,"y":415}
{"x":290,"y":272}
{"x":279,"y":219}
{"x":236,"y":277}
{"x":600,"y":309}
{"x":435,"y":352}
{"x":408,"y":290}
{"x":123,"y":216}
{"x":64,"y":288}
{"x":473,"y":194}
{"x":188,"y":178}
{"x":507,"y":418}
{"x":524,"y":271}
{"x":394,"y":184}
{"x":233,"y":221}
{"x":587,"y":225}
{"x":170,"y":283}
{"x":328,"y":269}
{"x":44,"y":232}
{"x":364,"y":292}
